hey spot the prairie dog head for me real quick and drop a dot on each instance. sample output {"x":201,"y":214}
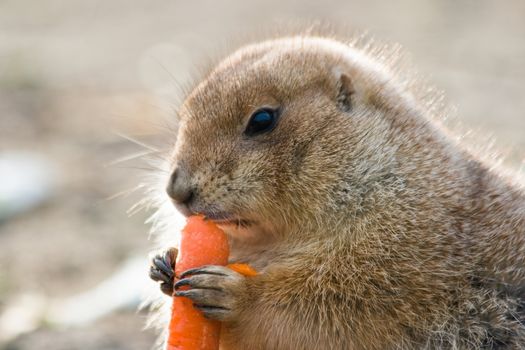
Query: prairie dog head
{"x":277,"y":137}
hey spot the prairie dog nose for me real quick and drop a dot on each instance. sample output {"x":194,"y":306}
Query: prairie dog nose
{"x":179,"y":186}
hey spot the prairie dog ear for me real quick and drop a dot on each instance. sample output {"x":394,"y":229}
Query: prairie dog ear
{"x":345,"y":90}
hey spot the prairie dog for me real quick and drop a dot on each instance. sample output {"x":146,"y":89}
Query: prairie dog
{"x":370,"y":226}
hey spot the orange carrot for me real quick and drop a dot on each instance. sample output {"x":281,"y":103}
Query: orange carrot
{"x":202,"y":243}
{"x":243,"y":269}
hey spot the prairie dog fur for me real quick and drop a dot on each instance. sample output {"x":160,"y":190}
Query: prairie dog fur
{"x":371,"y":227}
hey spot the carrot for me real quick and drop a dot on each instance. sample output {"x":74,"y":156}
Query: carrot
{"x":243,"y":269}
{"x":202,"y":243}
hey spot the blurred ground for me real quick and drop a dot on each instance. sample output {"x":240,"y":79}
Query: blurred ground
{"x":73,"y":73}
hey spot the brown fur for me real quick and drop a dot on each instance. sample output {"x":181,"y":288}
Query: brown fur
{"x":371,"y":227}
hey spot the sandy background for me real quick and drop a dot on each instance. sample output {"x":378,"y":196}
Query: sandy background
{"x":74,"y":74}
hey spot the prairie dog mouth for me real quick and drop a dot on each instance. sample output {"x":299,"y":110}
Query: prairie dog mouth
{"x":232,"y":222}
{"x":226,"y":219}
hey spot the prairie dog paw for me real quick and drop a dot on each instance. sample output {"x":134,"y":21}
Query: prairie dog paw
{"x":215,"y":290}
{"x":162,"y":269}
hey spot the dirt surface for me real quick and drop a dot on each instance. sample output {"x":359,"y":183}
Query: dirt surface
{"x":74,"y":74}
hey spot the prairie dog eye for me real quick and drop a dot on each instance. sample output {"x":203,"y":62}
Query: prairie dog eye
{"x":262,"y":120}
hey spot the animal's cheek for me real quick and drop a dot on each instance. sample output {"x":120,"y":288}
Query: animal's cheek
{"x":213,"y":190}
